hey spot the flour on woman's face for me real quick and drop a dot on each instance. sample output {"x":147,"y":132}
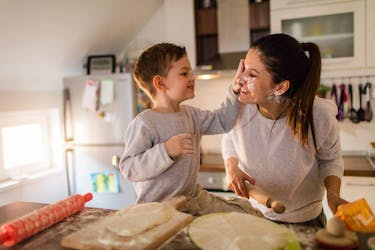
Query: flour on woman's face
{"x":249,"y":82}
{"x":257,"y":82}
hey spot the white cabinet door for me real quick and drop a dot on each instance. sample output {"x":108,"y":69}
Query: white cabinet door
{"x":338,"y":27}
{"x":286,"y":4}
{"x":370,"y":34}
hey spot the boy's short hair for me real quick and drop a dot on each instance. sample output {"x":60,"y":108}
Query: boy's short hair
{"x":156,"y":60}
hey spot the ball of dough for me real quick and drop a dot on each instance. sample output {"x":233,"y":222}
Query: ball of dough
{"x":335,"y":227}
{"x":371,"y":243}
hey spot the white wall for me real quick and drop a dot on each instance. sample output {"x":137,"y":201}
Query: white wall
{"x":152,"y":32}
{"x":209,"y":94}
{"x":44,"y":41}
{"x":50,"y":187}
{"x":172,"y":22}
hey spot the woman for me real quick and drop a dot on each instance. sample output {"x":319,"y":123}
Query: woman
{"x":286,"y":140}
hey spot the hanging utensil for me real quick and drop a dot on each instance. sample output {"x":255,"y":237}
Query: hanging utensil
{"x":368,"y":111}
{"x":340,"y":114}
{"x":352,"y":112}
{"x":360,"y":111}
{"x":335,"y":99}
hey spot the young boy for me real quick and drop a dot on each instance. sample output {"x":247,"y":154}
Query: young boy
{"x":161,"y":155}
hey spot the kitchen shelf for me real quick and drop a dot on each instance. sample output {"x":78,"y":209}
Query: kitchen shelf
{"x":212,"y":168}
{"x":206,"y":21}
{"x":259,"y":18}
{"x":329,"y":37}
{"x":206,"y":28}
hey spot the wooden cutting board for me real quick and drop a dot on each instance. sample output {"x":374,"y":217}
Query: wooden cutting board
{"x":99,"y":235}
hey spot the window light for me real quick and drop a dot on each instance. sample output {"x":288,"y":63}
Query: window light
{"x":22,"y":145}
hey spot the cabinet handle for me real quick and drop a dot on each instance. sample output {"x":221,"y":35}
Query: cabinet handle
{"x":293,"y":2}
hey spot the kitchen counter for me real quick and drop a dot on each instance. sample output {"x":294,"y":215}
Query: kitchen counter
{"x":50,"y":238}
{"x":354,"y":166}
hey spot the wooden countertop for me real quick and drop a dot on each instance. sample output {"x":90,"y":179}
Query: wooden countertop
{"x":212,"y":168}
{"x":347,"y":172}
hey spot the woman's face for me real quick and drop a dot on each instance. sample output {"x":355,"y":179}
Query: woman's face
{"x":256,"y":82}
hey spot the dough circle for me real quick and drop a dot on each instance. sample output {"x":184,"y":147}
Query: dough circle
{"x":139,"y":218}
{"x":348,"y":240}
{"x":233,"y":230}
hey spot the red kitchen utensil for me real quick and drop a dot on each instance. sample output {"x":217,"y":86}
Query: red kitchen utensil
{"x":19,"y":229}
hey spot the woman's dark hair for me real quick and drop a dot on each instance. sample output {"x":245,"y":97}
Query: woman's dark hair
{"x":285,"y":59}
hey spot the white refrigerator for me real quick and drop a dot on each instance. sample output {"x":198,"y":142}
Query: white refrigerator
{"x":97,"y":111}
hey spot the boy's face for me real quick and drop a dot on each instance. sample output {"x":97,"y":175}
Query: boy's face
{"x":180,"y":81}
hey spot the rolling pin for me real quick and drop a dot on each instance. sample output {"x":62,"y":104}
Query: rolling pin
{"x":264,"y":198}
{"x":19,"y":229}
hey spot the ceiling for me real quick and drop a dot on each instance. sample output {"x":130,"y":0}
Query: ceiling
{"x":45,"y":40}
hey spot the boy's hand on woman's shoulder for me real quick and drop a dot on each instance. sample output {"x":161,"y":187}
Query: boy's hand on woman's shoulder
{"x":179,"y":144}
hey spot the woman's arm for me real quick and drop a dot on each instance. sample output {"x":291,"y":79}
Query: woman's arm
{"x":235,"y":176}
{"x":329,"y":150}
{"x":333,"y":184}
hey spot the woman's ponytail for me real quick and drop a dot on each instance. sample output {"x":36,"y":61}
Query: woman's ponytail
{"x":301,"y":114}
{"x":286,"y":59}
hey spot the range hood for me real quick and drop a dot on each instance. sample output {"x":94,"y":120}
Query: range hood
{"x":220,"y":65}
{"x":233,"y":38}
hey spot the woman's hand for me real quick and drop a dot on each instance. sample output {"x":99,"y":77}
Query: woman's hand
{"x":237,"y":79}
{"x":236,"y":178}
{"x":334,"y":201}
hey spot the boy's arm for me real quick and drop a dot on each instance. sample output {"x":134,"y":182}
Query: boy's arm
{"x":141,"y":159}
{"x":220,"y":120}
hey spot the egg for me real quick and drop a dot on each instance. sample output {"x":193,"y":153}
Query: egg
{"x":335,"y":227}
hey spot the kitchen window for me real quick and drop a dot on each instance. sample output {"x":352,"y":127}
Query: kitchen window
{"x":27,"y":142}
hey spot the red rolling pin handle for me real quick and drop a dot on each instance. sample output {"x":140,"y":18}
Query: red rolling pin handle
{"x":38,"y":220}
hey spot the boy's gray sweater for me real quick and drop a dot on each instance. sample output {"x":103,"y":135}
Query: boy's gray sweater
{"x":145,"y":162}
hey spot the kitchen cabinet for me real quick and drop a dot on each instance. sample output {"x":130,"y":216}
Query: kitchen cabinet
{"x":206,"y":34}
{"x":259,"y":19}
{"x":338,"y":27}
{"x":370,"y":34}
{"x":206,"y":26}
